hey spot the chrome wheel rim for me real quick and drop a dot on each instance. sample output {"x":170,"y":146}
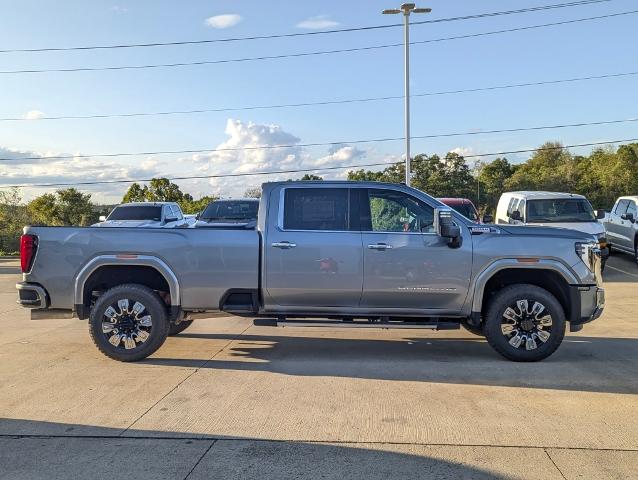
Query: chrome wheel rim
{"x":526,"y":324}
{"x":126,"y":327}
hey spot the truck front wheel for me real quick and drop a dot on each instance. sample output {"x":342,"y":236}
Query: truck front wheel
{"x":524,"y":323}
{"x":129,"y":322}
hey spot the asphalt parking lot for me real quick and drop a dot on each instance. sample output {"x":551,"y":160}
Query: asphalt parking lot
{"x":226,"y":399}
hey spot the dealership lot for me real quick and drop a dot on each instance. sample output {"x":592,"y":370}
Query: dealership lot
{"x":226,"y":399}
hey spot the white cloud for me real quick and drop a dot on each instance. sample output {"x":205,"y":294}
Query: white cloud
{"x":119,"y":9}
{"x":49,"y":170}
{"x":238,"y":154}
{"x":317,"y":23}
{"x":33,"y":115}
{"x":223,"y":21}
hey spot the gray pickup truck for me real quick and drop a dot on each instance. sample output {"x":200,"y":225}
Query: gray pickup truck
{"x":622,"y":226}
{"x":346,"y":254}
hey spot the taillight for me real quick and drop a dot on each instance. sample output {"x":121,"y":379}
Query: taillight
{"x":28,"y":246}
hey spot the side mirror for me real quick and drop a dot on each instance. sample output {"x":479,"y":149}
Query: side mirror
{"x":445,"y":227}
{"x":170,"y":219}
{"x":102,"y":218}
{"x":488,"y":218}
{"x":628,"y":216}
{"x":516,"y":215}
{"x":600,"y":214}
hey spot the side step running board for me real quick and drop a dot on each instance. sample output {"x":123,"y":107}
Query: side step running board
{"x":273,"y":322}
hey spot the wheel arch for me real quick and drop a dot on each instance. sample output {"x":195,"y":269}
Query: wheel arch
{"x":550,"y":275}
{"x":143,"y":269}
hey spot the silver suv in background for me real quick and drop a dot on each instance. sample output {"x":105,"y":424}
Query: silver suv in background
{"x":621,"y":226}
{"x":145,"y":215}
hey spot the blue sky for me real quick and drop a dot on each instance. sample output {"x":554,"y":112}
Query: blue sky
{"x":582,"y":49}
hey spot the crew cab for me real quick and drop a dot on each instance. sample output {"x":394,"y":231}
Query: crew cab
{"x":145,"y":215}
{"x":348,"y":254}
{"x":622,"y":227}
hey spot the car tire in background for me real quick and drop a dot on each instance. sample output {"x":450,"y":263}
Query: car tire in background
{"x":524,"y":323}
{"x":129,"y":322}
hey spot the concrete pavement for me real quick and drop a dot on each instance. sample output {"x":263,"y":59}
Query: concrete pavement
{"x":226,"y":399}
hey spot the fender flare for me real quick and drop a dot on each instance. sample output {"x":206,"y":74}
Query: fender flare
{"x":510,"y":263}
{"x":137,"y":260}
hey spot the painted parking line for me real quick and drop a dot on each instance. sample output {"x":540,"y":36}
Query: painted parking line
{"x":621,"y":271}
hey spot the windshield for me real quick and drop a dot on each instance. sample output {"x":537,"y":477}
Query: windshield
{"x":467,"y":210}
{"x":136,"y":212}
{"x":560,"y":210}
{"x":231,"y":210}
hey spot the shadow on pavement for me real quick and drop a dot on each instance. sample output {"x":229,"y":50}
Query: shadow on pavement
{"x":78,"y":451}
{"x":590,"y":364}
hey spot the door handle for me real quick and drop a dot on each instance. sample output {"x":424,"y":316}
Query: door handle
{"x":380,"y":246}
{"x":284,"y":245}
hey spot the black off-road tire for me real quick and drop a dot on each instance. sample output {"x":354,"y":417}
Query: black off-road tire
{"x":507,"y":297}
{"x":154,"y":306}
{"x":478,"y":331}
{"x":177,"y":328}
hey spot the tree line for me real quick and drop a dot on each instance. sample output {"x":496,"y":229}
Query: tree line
{"x":602,"y":176}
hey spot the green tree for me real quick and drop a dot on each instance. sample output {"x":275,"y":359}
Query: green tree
{"x":163,"y":190}
{"x":13,"y":216}
{"x":552,"y":167}
{"x":135,"y":193}
{"x":253,"y":192}
{"x":196,"y":206}
{"x":65,"y":207}
{"x":492,"y":177}
{"x":310,"y":176}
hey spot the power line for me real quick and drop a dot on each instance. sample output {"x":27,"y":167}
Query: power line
{"x":323,"y":144}
{"x":323,"y":102}
{"x":308,"y":54}
{"x":305,"y":170}
{"x":303,"y":34}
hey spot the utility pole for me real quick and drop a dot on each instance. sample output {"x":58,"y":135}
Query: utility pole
{"x":407,"y":9}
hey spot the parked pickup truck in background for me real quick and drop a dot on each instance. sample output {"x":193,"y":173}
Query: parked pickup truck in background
{"x":230,"y":212}
{"x":466,"y":208}
{"x":145,"y":215}
{"x":622,"y":227}
{"x":356,"y":254}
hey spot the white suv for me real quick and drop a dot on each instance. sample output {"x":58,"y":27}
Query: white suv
{"x":552,"y":209}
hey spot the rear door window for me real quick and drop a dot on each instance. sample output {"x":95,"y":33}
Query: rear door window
{"x":316,"y":209}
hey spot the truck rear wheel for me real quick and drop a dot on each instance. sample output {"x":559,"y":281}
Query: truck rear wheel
{"x":524,"y":323}
{"x":177,"y":328}
{"x":129,"y":322}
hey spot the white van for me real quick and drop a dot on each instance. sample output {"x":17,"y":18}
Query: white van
{"x":551,"y":209}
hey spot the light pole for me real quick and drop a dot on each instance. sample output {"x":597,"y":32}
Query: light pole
{"x":406,"y":9}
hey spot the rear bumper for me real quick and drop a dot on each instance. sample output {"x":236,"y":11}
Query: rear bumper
{"x":32,"y":295}
{"x":588,"y":303}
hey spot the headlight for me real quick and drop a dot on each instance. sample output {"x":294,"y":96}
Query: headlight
{"x":587,"y":251}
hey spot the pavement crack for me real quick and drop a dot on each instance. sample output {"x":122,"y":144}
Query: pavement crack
{"x":554,"y":463}
{"x":184,"y":379}
{"x":200,"y":459}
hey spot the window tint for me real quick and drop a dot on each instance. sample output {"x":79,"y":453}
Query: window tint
{"x":510,"y":206}
{"x":392,"y":211}
{"x":621,"y":207}
{"x":178,"y":212}
{"x":231,"y":210}
{"x":521,"y":208}
{"x":136,"y":212}
{"x":316,"y":209}
{"x":467,"y":210}
{"x":632,"y":208}
{"x":560,"y":210}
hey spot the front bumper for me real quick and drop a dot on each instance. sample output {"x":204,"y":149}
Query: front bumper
{"x":588,"y":303}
